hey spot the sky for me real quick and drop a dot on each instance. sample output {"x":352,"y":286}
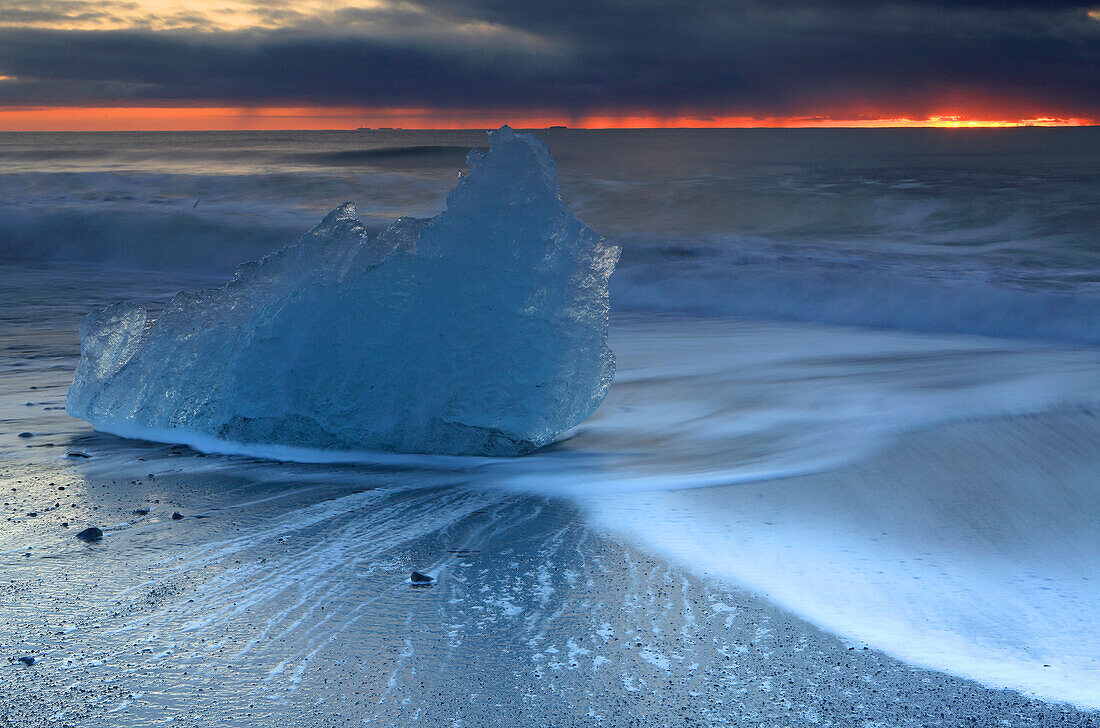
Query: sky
{"x":285,"y":64}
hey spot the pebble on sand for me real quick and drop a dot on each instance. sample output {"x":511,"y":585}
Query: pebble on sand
{"x":176,"y":516}
{"x":420,"y":579}
{"x":27,"y":660}
{"x":77,"y":454}
{"x":25,"y":435}
{"x":90,"y":534}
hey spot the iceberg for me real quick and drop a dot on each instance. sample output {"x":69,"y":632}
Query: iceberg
{"x":481,"y":331}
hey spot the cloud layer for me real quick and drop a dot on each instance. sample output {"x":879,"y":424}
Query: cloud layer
{"x":909,"y":58}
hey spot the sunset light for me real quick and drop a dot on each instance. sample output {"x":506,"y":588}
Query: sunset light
{"x":166,"y":118}
{"x":314,"y":64}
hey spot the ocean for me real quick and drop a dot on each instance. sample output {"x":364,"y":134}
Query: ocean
{"x":847,"y":467}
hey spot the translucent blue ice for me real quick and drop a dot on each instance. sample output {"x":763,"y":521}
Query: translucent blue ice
{"x":482,"y":330}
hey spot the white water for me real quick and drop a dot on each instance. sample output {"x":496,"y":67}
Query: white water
{"x":969,"y":546}
{"x":929,"y":494}
{"x":952,"y":551}
{"x":934,"y":497}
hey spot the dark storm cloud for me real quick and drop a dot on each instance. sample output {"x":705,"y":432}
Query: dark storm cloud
{"x":748,"y":57}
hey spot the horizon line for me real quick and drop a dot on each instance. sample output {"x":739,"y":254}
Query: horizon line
{"x":821,"y":127}
{"x":230,"y":118}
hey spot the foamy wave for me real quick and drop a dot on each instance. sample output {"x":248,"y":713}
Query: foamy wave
{"x":285,"y":453}
{"x":970,"y":550}
{"x":861,"y":290}
{"x":188,"y":222}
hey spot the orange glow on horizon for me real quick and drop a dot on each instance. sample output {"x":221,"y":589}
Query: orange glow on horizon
{"x":203,"y":118}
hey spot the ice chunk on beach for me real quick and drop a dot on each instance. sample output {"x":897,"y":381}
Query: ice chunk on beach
{"x":482,"y":330}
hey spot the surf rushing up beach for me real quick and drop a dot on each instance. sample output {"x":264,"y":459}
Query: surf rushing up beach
{"x":844,"y":474}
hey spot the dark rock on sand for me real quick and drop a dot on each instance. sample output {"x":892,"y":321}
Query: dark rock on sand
{"x":77,"y":454}
{"x":417,"y":578}
{"x":25,"y":435}
{"x":141,"y":511}
{"x":90,"y":534}
{"x":176,"y":516}
{"x":27,"y":660}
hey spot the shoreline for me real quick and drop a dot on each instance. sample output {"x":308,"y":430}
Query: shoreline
{"x":297,"y":573}
{"x":939,"y":548}
{"x":193,"y":621}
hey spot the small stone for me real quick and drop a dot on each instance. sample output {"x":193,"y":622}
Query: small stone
{"x":27,"y":660}
{"x":90,"y":534}
{"x":77,"y":454}
{"x":141,"y":511}
{"x":420,"y":579}
{"x":25,"y":435}
{"x":64,"y":524}
{"x":176,"y":516}
{"x":33,"y":514}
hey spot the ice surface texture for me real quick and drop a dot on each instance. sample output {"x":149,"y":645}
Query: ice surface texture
{"x":482,"y":330}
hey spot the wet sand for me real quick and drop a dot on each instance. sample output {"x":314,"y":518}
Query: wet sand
{"x":287,"y":604}
{"x":972,"y":547}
